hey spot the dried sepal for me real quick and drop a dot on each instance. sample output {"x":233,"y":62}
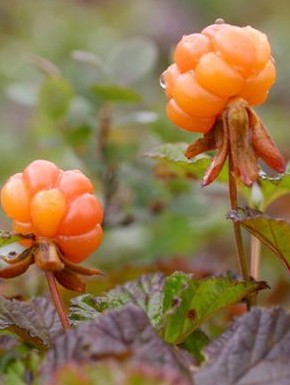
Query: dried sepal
{"x":221,"y":139}
{"x":81,"y":269}
{"x":18,"y":268}
{"x":16,"y":258}
{"x":244,"y":160}
{"x":263,"y":144}
{"x":70,"y":280}
{"x":206,"y":143}
{"x":240,"y":134}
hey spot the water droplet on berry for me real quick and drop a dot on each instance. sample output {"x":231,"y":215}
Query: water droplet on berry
{"x":162,"y":81}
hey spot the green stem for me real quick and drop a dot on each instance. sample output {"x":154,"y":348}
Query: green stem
{"x":57,"y":300}
{"x":237,"y":229}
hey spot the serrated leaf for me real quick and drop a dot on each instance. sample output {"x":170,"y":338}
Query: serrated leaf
{"x":145,"y":292}
{"x":132,"y":59}
{"x":172,"y":154}
{"x":272,"y":232}
{"x":54,"y":97}
{"x":35,"y":321}
{"x":114,"y":373}
{"x":255,"y":350}
{"x":122,"y":334}
{"x":115,"y":93}
{"x":6,"y":238}
{"x":189,"y":302}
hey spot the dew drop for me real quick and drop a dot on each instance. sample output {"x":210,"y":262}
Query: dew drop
{"x":162,"y":81}
{"x":219,"y":21}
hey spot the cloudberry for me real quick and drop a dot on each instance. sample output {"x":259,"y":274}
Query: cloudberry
{"x":55,"y":204}
{"x":211,"y":68}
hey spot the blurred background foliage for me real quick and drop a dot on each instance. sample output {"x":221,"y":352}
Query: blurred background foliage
{"x":79,"y":85}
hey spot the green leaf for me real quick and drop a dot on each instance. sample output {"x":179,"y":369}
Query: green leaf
{"x":54,"y":97}
{"x":176,"y":305}
{"x":195,"y":343}
{"x":145,"y":292}
{"x":272,"y":232}
{"x":189,"y":302}
{"x":132,"y":59}
{"x":6,"y":238}
{"x":35,"y":321}
{"x":172,"y":156}
{"x":115,"y":93}
{"x":255,"y":350}
{"x":274,"y":188}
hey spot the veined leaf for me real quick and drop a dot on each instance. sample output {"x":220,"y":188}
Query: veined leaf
{"x":255,"y":350}
{"x":176,"y":305}
{"x":189,"y":302}
{"x":145,"y":292}
{"x":35,"y":321}
{"x":121,"y":334}
{"x":272,"y":232}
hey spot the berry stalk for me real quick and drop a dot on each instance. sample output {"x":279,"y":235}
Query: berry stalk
{"x":237,"y":229}
{"x":58,"y":303}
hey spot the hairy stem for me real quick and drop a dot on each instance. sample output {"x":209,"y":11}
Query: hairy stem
{"x":57,"y":299}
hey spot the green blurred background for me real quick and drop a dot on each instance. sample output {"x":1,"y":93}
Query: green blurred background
{"x":151,"y":223}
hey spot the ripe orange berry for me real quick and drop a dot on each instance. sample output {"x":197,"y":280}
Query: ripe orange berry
{"x":187,"y":122}
{"x":55,"y":204}
{"x":211,"y":68}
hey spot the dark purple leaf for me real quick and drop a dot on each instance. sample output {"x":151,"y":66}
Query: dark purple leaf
{"x":35,"y":321}
{"x":124,"y":334}
{"x":254,"y":351}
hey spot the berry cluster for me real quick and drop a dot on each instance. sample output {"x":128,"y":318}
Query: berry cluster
{"x":212,"y":67}
{"x":55,"y":204}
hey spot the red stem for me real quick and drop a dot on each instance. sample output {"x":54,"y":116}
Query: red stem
{"x":57,"y":300}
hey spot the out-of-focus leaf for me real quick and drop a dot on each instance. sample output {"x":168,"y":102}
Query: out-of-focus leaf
{"x":78,"y":136}
{"x":189,"y":302}
{"x":115,"y":93}
{"x":23,"y":93}
{"x":139,"y":117}
{"x":15,"y":374}
{"x":114,"y":373}
{"x":195,"y":343}
{"x":6,"y":238}
{"x":132,"y":59}
{"x":255,"y":350}
{"x":172,"y":155}
{"x":7,"y":342}
{"x":35,"y":321}
{"x":145,"y":292}
{"x":122,"y":334}
{"x":92,"y":59}
{"x":272,"y":232}
{"x":54,"y":97}
{"x":44,"y":65}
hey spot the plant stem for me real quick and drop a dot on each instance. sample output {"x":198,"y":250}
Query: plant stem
{"x":255,"y":257}
{"x":57,"y":300}
{"x":237,"y":229}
